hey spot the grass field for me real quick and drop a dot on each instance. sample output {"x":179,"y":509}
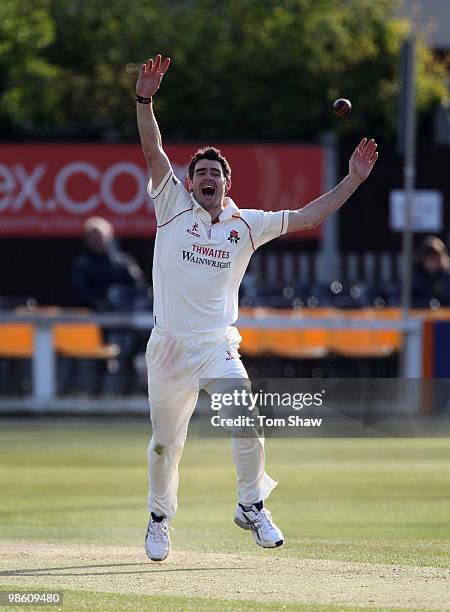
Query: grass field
{"x":366,"y":521}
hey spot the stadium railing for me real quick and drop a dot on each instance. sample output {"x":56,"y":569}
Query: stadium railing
{"x":259,"y":327}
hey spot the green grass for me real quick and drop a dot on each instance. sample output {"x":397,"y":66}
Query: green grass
{"x":87,"y":483}
{"x":370,"y":500}
{"x":78,"y":600}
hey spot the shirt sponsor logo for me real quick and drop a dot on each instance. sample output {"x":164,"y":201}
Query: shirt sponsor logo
{"x":213,"y":263}
{"x":209,"y":252}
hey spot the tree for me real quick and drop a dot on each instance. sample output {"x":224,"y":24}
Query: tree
{"x":26,"y":31}
{"x":242,"y":69}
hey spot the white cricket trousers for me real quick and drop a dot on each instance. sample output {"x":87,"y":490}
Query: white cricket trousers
{"x":176,"y":363}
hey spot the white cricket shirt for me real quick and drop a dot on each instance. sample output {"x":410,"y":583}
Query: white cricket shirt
{"x":197,"y":265}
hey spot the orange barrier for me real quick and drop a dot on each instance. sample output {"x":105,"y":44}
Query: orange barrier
{"x":82,"y":341}
{"x":16,"y":340}
{"x":316,"y":343}
{"x":297,"y":343}
{"x":366,"y":343}
{"x":77,"y":340}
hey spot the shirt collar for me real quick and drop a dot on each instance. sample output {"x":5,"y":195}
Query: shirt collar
{"x":229,"y":210}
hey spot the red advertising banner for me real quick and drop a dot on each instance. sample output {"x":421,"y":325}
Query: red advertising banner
{"x":51,"y":189}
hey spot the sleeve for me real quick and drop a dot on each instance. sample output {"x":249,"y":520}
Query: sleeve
{"x":169,"y":198}
{"x":266,"y":226}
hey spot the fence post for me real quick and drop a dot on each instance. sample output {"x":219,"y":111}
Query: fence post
{"x":413,"y":357}
{"x":43,"y":366}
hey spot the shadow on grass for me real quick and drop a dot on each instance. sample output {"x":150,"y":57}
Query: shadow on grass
{"x":60,"y":571}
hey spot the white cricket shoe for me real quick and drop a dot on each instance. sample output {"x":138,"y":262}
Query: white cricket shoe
{"x":265,"y":532}
{"x":157,"y":540}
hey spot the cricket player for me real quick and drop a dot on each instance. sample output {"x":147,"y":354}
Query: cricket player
{"x":203,"y":246}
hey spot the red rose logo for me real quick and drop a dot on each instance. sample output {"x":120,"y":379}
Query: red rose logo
{"x":233,"y":237}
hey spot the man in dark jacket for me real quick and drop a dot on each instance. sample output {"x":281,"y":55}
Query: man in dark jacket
{"x":102,"y":273}
{"x":106,"y":279}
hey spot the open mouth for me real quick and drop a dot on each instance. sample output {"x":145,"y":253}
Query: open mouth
{"x":208,"y":191}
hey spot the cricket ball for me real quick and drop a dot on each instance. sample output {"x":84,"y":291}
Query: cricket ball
{"x":342,"y":107}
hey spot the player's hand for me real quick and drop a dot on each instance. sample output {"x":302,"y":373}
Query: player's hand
{"x":150,"y":76}
{"x":363,"y":159}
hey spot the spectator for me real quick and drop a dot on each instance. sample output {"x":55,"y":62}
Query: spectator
{"x":107,"y":279}
{"x":431,"y":277}
{"x":102,"y":269}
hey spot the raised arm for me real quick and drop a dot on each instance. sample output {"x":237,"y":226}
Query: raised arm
{"x":360,"y":166}
{"x":148,"y":83}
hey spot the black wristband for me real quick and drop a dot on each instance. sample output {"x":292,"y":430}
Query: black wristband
{"x":142,"y":100}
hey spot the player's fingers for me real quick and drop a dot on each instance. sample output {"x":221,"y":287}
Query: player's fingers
{"x":157,"y":62}
{"x":361,"y":145}
{"x":143,"y":69}
{"x":368,"y":149}
{"x":371,"y":150}
{"x":374,"y":158}
{"x":356,"y":152}
{"x":149,"y":65}
{"x":165,"y":65}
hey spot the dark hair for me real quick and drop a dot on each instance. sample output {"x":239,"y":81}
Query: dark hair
{"x":212,"y":154}
{"x":432,"y":245}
